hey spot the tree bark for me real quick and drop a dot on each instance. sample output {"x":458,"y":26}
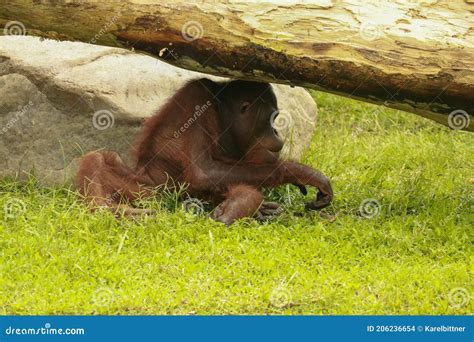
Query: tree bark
{"x":417,"y":56}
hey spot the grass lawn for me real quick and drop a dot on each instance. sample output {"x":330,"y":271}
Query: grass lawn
{"x":409,"y":251}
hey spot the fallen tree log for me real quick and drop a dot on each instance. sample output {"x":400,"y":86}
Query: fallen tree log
{"x":416,"y":56}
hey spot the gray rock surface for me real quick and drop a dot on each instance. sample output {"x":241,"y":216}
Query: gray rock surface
{"x":59,"y":100}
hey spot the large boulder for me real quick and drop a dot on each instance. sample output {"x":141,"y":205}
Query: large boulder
{"x":59,"y":100}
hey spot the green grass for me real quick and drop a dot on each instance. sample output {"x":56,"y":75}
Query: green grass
{"x":56,"y":258}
